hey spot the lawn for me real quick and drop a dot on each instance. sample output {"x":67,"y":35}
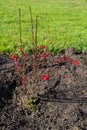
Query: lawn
{"x":61,"y":24}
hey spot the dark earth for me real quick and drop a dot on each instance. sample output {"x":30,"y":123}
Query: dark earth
{"x":63,"y":99}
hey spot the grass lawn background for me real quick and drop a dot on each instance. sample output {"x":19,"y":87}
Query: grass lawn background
{"x":61,"y":24}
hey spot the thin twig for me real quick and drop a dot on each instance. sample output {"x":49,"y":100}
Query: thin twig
{"x":20,"y":35}
{"x":36,"y":32}
{"x":34,"y":50}
{"x":32,"y":26}
{"x":36,"y":53}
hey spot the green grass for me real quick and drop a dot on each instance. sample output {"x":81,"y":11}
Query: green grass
{"x":60,"y":22}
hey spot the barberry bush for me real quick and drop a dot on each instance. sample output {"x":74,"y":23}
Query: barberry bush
{"x":38,"y":60}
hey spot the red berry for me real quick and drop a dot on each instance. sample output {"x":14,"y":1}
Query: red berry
{"x":45,"y":77}
{"x":25,"y":54}
{"x":47,"y":54}
{"x":21,"y":65}
{"x":18,"y":70}
{"x":76,"y":63}
{"x":42,"y":47}
{"x":65,"y":76}
{"x":42,"y":57}
{"x":16,"y":65}
{"x":47,"y":70}
{"x":23,"y":83}
{"x":22,"y":49}
{"x":24,"y":77}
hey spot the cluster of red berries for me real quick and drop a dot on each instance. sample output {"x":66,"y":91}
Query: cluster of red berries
{"x":46,"y":76}
{"x":68,"y":59}
{"x":43,"y":53}
{"x":43,"y":56}
{"x":19,"y":65}
{"x":17,"y":62}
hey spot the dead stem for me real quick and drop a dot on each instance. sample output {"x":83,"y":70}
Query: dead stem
{"x":20,"y":39}
{"x":34,"y":50}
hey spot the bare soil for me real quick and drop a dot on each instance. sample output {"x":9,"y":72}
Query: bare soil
{"x":63,"y":99}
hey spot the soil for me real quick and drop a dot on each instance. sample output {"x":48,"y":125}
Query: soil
{"x":63,"y":99}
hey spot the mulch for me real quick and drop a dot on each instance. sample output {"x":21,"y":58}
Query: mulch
{"x":63,"y":99}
